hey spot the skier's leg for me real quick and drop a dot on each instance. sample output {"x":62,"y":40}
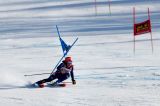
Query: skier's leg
{"x":62,"y":78}
{"x":52,"y":77}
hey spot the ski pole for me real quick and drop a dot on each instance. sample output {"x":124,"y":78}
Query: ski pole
{"x":35,"y":74}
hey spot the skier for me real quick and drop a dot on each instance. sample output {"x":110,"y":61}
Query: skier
{"x":64,"y":70}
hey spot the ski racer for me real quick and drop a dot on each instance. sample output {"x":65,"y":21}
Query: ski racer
{"x":64,"y":71}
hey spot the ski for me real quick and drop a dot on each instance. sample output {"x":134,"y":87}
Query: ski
{"x":34,"y":85}
{"x":57,"y":85}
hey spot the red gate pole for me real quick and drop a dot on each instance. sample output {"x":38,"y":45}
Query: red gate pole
{"x":134,"y":21}
{"x":149,"y":18}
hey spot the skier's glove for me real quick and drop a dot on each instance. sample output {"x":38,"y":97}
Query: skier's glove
{"x":74,"y":82}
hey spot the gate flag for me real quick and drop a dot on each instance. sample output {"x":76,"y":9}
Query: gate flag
{"x":65,"y":47}
{"x":142,"y":28}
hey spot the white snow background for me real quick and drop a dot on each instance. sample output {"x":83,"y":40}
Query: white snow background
{"x":106,"y":70}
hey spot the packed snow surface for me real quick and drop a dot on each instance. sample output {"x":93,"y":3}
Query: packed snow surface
{"x":107,"y":71}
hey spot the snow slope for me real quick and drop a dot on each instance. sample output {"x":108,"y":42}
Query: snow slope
{"x":106,"y":70}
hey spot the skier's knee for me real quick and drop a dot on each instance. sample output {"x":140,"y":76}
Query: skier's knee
{"x":61,"y":79}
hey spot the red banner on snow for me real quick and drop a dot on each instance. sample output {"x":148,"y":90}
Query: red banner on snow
{"x":143,"y":27}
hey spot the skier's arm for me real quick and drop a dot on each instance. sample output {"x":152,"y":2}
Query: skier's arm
{"x":61,"y":69}
{"x":60,"y":66}
{"x":72,"y":76}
